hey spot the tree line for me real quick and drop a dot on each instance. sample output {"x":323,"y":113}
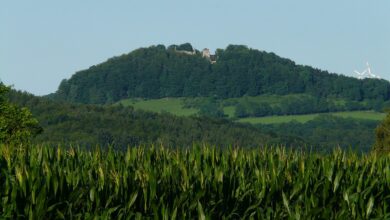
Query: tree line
{"x":326,"y":132}
{"x":303,"y":105}
{"x":54,"y":122}
{"x":157,"y":72}
{"x":119,"y":126}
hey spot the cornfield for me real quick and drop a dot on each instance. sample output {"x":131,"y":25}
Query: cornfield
{"x":202,"y":182}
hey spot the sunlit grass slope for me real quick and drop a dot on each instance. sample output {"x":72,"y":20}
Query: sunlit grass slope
{"x":176,"y":106}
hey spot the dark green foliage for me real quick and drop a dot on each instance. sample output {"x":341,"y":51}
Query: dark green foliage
{"x":157,"y":72}
{"x":251,"y":109}
{"x":241,"y":111}
{"x":302,"y":104}
{"x":152,"y":73}
{"x":197,"y":183}
{"x":382,"y":133}
{"x":326,"y":131}
{"x":211,"y":108}
{"x":185,"y":47}
{"x":17,"y":125}
{"x":89,"y":125}
{"x":120,"y":126}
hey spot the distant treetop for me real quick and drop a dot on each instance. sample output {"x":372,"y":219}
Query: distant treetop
{"x":157,"y":72}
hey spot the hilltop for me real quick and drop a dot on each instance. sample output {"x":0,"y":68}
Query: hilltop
{"x":158,"y":71}
{"x":236,"y":83}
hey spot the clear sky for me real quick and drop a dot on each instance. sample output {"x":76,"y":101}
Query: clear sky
{"x":45,"y":41}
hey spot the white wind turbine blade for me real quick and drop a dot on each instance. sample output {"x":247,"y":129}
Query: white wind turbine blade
{"x":369,"y":69}
{"x":360,"y":75}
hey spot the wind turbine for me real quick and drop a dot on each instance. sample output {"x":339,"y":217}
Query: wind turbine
{"x":360,"y":75}
{"x":366,"y":73}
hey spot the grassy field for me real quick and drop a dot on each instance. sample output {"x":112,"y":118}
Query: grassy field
{"x":368,"y":115}
{"x":171,"y":105}
{"x":202,"y":182}
{"x":176,"y":106}
{"x":229,"y":111}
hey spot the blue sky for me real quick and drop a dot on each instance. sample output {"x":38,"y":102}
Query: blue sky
{"x":43,"y":42}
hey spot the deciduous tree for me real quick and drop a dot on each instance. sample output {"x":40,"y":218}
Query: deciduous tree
{"x":17,"y":125}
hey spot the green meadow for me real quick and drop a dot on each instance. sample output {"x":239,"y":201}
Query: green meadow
{"x":176,"y":106}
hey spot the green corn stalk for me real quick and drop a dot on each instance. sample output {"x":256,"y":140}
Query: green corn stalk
{"x":199,"y":182}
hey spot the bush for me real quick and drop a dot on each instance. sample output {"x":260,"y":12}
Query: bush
{"x":17,"y":125}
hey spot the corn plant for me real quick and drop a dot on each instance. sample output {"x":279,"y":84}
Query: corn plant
{"x":203,"y":182}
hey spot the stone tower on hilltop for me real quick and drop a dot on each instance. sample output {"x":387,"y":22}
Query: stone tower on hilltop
{"x":206,"y":54}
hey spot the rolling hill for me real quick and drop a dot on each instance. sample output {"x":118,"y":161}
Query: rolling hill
{"x":90,"y":125}
{"x":157,"y":72}
{"x":191,"y":107}
{"x":243,"y":84}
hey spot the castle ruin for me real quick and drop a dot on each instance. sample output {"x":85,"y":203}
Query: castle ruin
{"x":205,"y":54}
{"x":211,"y":57}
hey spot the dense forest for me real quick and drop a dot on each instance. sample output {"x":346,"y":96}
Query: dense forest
{"x":75,"y":114}
{"x":90,"y":125}
{"x":157,"y":71}
{"x":303,"y":105}
{"x":325,"y":132}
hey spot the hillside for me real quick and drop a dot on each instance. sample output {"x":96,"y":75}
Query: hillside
{"x":347,"y":129}
{"x":264,"y":107}
{"x":89,"y":125}
{"x":243,"y":85}
{"x":157,"y":72}
{"x":325,"y":131}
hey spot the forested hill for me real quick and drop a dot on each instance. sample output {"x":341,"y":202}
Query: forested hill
{"x":91,"y":125}
{"x":158,"y":71}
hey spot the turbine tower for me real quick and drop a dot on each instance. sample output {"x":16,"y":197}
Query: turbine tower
{"x":366,"y":73}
